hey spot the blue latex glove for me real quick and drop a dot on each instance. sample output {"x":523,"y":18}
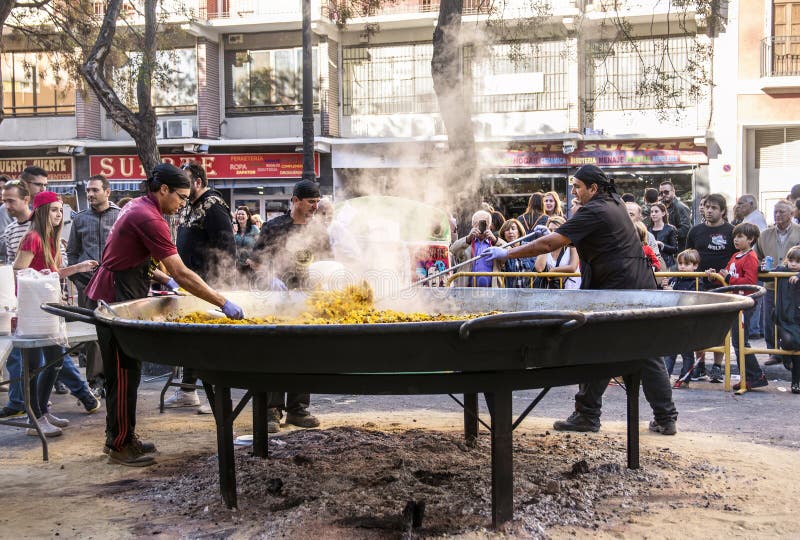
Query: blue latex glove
{"x":172,"y":285}
{"x":495,"y":253}
{"x":232,"y":310}
{"x":278,"y":285}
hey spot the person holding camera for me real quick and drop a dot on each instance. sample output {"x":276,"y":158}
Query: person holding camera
{"x":479,"y":239}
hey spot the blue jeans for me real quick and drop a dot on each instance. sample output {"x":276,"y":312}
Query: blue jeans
{"x":71,"y":378}
{"x":688,"y":363}
{"x":42,"y":386}
{"x":757,"y":320}
{"x":16,"y":399}
{"x":769,"y":322}
{"x":753,"y":370}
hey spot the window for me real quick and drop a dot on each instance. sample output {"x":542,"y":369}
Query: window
{"x":786,"y":38}
{"x":777,"y":148}
{"x":388,"y":80}
{"x":651,"y":73}
{"x":509,"y":77}
{"x":174,"y":81}
{"x":268,"y":80}
{"x":36,"y":83}
{"x":519,"y":77}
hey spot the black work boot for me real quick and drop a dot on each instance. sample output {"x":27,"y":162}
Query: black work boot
{"x":302,"y":418}
{"x":273,"y":420}
{"x":667,"y":427}
{"x":577,"y":422}
{"x":130,"y":456}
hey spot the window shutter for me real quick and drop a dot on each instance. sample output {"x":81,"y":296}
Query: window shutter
{"x":778,"y":147}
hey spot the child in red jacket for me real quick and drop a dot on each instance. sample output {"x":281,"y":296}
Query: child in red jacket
{"x":742,"y":269}
{"x":641,"y":230}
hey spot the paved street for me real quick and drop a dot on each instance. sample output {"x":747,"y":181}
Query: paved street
{"x":761,"y":416}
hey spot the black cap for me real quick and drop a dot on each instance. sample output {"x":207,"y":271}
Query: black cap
{"x":306,"y":189}
{"x":168,"y":175}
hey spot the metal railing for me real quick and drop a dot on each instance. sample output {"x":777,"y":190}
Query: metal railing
{"x":743,"y":351}
{"x":725,"y":348}
{"x":780,"y":56}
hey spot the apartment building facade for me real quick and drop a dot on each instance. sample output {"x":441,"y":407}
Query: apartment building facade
{"x":768,"y":99}
{"x":560,"y":88}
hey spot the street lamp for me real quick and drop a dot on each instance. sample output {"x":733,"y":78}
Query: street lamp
{"x":308,"y":98}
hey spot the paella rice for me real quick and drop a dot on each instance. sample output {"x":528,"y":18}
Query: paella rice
{"x":352,"y":305}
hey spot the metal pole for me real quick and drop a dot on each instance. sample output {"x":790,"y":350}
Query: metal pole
{"x":308,"y":97}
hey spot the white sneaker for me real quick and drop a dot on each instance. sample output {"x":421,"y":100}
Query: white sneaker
{"x":205,"y":408}
{"x":182,"y":398}
{"x":47,"y":428}
{"x":55,"y":420}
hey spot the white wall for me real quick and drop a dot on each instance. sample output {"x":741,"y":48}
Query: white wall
{"x":271,"y":126}
{"x":38,"y":128}
{"x":427,"y":125}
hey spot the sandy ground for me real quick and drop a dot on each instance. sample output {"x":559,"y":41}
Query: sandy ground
{"x":745,"y":490}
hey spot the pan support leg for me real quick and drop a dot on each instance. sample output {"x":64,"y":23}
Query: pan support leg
{"x":260,"y":445}
{"x":632,"y":382}
{"x":227,"y":463}
{"x":502,"y":460}
{"x":471,"y":419}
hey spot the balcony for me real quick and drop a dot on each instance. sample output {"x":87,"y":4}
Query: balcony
{"x":641,"y":11}
{"x":780,"y":64}
{"x":507,"y":9}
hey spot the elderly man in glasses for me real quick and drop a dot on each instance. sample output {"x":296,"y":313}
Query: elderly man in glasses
{"x":680,"y":216}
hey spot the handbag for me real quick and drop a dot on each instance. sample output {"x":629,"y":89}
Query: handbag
{"x":548,"y":282}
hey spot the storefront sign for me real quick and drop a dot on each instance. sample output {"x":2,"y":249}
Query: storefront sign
{"x":601,"y":153}
{"x":229,"y":166}
{"x":58,"y":168}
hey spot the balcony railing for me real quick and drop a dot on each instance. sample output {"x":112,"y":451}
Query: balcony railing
{"x":780,"y":56}
{"x":507,"y":9}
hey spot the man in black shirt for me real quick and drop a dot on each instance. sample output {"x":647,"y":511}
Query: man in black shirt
{"x":611,"y":258}
{"x":205,"y":245}
{"x":680,"y":215}
{"x":289,"y":245}
{"x":713,"y":240}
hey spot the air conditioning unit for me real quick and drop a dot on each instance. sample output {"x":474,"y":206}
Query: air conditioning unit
{"x":174,"y":129}
{"x":235,"y":39}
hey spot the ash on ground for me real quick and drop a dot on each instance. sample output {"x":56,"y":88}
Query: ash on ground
{"x":360,"y":483}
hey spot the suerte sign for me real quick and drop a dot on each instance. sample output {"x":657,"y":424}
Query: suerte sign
{"x":227,"y":166}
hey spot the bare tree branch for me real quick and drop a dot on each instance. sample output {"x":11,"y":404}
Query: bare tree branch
{"x":140,"y":125}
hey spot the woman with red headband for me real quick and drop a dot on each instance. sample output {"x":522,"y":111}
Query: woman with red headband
{"x":40,"y":250}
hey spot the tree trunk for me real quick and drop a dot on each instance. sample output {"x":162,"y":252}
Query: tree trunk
{"x":454,"y":100}
{"x":142,"y":125}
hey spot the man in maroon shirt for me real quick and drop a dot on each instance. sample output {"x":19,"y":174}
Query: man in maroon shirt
{"x":138,"y":239}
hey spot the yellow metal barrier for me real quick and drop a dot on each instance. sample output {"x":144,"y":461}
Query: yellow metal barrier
{"x":743,"y":351}
{"x":561,"y":275}
{"x":725,"y":348}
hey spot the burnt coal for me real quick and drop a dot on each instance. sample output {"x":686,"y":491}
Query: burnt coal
{"x":580,"y":467}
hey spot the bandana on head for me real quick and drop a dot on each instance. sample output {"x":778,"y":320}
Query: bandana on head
{"x":44,"y":197}
{"x":168,"y":175}
{"x":306,"y":189}
{"x":592,"y":174}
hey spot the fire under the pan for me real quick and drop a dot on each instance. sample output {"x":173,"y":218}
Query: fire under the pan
{"x":352,"y":305}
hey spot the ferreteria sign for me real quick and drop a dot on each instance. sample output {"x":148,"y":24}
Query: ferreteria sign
{"x":58,"y":168}
{"x":601,"y":153}
{"x":229,"y":166}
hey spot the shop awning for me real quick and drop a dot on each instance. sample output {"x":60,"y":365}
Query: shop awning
{"x":61,"y":188}
{"x":126,"y":186}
